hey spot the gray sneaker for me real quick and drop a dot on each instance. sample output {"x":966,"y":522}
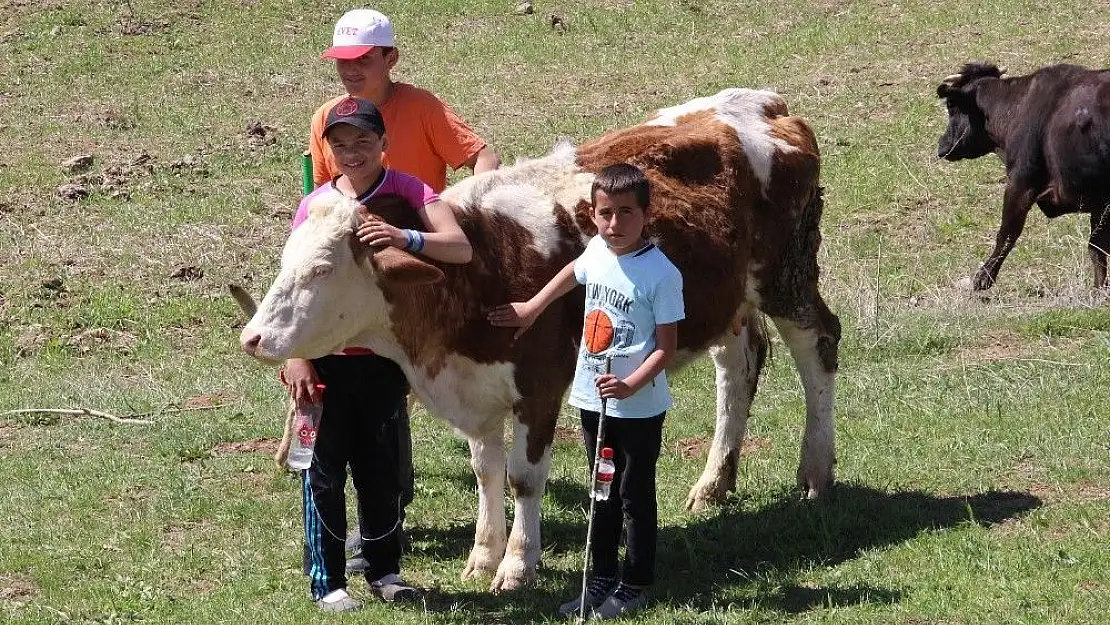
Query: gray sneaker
{"x":357,"y":564}
{"x":624,"y":599}
{"x":392,"y":588}
{"x":338,"y":601}
{"x":597,"y":589}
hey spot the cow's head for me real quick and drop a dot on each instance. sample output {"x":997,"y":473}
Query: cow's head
{"x":331,"y":289}
{"x":966,"y":135}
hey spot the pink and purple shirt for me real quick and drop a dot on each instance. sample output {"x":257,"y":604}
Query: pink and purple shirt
{"x":392,"y":181}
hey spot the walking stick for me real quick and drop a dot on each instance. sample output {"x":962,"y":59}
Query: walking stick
{"x":593,"y":501}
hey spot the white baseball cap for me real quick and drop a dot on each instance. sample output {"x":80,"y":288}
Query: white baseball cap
{"x":359,"y":32}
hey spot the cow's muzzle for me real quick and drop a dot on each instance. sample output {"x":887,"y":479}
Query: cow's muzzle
{"x":250,"y":339}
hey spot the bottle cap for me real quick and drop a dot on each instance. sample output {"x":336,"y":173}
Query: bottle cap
{"x":607,"y":453}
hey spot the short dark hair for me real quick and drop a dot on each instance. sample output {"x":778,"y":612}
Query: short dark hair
{"x":622,"y":178}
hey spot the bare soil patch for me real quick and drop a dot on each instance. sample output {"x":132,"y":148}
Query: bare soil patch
{"x":16,"y":588}
{"x":698,"y":446}
{"x":567,"y":434}
{"x":995,"y":345}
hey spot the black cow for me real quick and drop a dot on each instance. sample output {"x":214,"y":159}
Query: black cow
{"x":1052,"y":130}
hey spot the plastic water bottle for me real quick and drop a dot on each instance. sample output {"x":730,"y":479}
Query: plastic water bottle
{"x":603,"y":481}
{"x":305,"y":422}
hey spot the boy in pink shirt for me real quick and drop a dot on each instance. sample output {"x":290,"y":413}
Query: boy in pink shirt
{"x":354,"y":431}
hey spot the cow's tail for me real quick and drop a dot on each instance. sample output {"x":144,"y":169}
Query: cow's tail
{"x":759,"y":333}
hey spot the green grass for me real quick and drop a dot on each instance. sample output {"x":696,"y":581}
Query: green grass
{"x":972,"y":431}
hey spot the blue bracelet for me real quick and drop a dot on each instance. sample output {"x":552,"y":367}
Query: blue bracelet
{"x":419,"y":240}
{"x":411,"y":240}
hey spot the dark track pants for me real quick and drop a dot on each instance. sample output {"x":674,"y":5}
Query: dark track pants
{"x":364,"y":396}
{"x":632,"y":501}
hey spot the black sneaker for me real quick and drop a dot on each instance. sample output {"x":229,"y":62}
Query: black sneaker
{"x":392,"y":588}
{"x":624,"y":599}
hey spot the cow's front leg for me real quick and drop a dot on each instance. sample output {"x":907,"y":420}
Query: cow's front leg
{"x":738,"y":361}
{"x":487,"y":458}
{"x":1015,"y":208}
{"x":813,"y":337}
{"x":529,"y":463}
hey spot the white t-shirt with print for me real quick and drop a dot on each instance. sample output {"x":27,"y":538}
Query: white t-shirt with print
{"x":637,"y":291}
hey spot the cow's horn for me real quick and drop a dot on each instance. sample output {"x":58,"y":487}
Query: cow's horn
{"x":951,"y":78}
{"x":244,"y":299}
{"x":1001,"y":70}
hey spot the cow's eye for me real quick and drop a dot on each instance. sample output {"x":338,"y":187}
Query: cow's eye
{"x":320,"y":271}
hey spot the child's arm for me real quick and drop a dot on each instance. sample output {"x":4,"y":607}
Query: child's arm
{"x":666,"y":342}
{"x":444,"y":239}
{"x":301,"y":379}
{"x":523,"y":314}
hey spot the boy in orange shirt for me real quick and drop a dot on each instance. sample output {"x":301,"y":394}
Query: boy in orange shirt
{"x":427,"y":136}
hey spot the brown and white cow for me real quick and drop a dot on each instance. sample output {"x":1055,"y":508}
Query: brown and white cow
{"x":1051,"y":129}
{"x":735,"y":205}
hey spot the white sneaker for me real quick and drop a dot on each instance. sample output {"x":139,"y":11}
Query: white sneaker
{"x":338,"y":601}
{"x":597,"y":589}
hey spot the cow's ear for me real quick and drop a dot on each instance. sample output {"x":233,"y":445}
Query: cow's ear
{"x":398,"y":267}
{"x":950,"y":91}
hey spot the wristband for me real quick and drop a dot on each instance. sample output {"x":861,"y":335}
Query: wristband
{"x":415,"y":240}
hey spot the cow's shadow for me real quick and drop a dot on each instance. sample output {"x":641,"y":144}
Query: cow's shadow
{"x":759,"y":554}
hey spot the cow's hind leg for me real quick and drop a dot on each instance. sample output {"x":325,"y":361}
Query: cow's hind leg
{"x":1099,"y":243}
{"x":529,"y":463}
{"x":738,"y":360}
{"x":813,"y":334}
{"x":487,"y":458}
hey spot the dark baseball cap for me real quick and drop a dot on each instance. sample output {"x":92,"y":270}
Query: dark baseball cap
{"x":356,"y":112}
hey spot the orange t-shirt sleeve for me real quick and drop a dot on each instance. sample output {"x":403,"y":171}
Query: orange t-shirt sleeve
{"x":323,"y":163}
{"x":454,"y":141}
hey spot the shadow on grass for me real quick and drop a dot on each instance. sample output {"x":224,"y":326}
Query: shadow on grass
{"x":751,"y":559}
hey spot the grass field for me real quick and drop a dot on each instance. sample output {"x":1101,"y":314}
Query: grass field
{"x":974,"y":451}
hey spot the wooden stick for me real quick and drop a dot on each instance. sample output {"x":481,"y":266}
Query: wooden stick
{"x":184,"y":409}
{"x":79,"y":411}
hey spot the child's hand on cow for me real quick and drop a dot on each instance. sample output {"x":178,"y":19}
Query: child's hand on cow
{"x":300,"y":377}
{"x":611,"y":387}
{"x":515,"y":315}
{"x":374,"y":231}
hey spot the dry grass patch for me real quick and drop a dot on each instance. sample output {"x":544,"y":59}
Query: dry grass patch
{"x":266,"y":446}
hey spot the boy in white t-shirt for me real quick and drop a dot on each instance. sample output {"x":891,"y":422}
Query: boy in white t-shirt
{"x":633,"y":290}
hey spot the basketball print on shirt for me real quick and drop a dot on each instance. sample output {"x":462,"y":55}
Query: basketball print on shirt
{"x":597,"y":333}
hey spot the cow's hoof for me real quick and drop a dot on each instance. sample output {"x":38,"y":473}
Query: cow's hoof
{"x":982,"y":281}
{"x":706,"y":493}
{"x":481,"y":563}
{"x":512,"y":574}
{"x":816,"y":485}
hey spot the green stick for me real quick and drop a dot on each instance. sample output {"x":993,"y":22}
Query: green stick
{"x":306,"y":173}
